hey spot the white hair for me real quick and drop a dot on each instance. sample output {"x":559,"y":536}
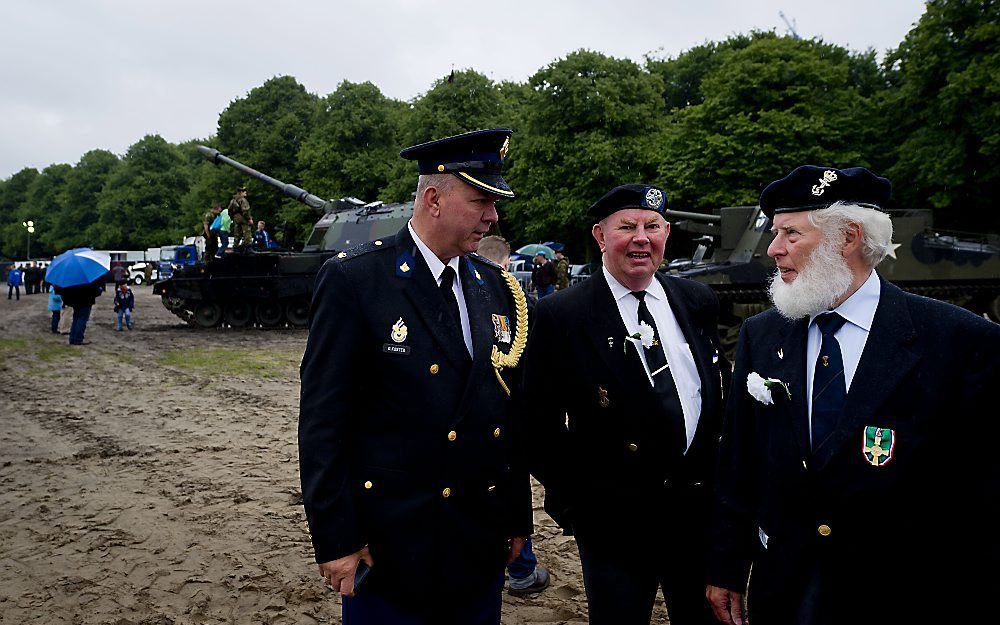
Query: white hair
{"x":876,"y":227}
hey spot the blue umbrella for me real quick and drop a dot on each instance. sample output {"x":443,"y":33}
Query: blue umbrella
{"x":79,"y":266}
{"x":555,"y":245}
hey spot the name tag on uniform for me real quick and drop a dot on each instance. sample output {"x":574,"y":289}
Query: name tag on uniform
{"x":392,"y":348}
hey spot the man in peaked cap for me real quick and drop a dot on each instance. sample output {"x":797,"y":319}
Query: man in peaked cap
{"x":407,"y":453}
{"x":622,"y":376}
{"x":850,"y":476}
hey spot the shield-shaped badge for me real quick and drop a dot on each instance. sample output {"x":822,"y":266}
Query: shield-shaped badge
{"x":878,"y":445}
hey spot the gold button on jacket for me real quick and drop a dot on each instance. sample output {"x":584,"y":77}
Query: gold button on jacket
{"x":435,"y":368}
{"x":452,"y":435}
{"x":446,"y":493}
{"x":824,"y":530}
{"x":368,"y":485}
{"x":496,"y":433}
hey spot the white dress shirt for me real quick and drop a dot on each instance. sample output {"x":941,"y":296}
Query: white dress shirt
{"x":437,"y":268}
{"x":680,"y":360}
{"x":859,"y":311}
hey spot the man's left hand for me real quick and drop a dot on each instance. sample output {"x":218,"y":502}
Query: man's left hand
{"x":516,"y":545}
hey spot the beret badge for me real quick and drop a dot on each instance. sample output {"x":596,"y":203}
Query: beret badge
{"x":654,"y":198}
{"x":824,"y":182}
{"x":505,"y":148}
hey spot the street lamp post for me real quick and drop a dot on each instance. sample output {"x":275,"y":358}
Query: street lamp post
{"x":30,"y":226}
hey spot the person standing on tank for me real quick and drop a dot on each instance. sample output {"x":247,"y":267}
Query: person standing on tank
{"x":239,"y":210}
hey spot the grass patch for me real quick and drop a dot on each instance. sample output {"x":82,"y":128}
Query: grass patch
{"x":9,"y":347}
{"x":249,"y":362}
{"x":51,"y":353}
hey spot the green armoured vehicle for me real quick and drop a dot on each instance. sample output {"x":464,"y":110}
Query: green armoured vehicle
{"x":271,"y":288}
{"x":731,"y":256}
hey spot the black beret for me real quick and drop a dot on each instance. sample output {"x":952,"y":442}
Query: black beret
{"x":810,"y":187}
{"x":628,"y":196}
{"x":474,"y":157}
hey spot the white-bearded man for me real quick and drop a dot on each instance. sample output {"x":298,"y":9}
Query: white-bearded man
{"x":853,"y":472}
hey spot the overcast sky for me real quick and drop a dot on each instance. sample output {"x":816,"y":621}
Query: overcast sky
{"x":85,"y":74}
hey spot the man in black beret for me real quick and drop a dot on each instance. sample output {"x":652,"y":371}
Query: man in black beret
{"x":623,"y":382}
{"x":406,"y":449}
{"x":850,"y":478}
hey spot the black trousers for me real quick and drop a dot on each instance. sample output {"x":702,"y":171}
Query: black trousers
{"x":622,"y":576}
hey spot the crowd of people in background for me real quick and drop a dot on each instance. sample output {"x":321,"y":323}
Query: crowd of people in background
{"x":31,"y":277}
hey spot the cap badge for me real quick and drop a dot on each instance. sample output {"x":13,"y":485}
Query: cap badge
{"x":824,"y":182}
{"x":398,"y":331}
{"x":505,"y":148}
{"x":877,"y":444}
{"x":654,"y":198}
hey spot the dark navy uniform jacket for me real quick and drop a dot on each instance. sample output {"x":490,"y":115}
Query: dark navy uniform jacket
{"x":906,"y":539}
{"x":600,"y":439}
{"x":405,"y":441}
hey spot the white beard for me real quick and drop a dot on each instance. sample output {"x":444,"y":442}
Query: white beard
{"x":816,"y":288}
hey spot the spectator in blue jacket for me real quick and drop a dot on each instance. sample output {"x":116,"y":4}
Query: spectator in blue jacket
{"x":124,"y":304}
{"x":261,"y":239}
{"x":56,"y":306}
{"x":14,"y":283}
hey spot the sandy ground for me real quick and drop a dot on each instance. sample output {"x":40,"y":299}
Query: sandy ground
{"x":136,"y":488}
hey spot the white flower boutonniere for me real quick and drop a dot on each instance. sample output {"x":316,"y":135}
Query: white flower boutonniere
{"x":760,"y":388}
{"x":645,"y":336}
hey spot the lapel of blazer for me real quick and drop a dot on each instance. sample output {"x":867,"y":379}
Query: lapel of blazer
{"x":884,"y":362}
{"x":481,"y":305}
{"x":419,"y":286}
{"x":702,"y":352}
{"x":788,"y":355}
{"x":608,"y":333}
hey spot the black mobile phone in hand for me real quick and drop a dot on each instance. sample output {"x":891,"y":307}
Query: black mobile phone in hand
{"x":360,"y":575}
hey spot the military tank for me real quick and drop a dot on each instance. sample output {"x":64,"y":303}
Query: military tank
{"x":730,"y":255}
{"x":272,"y":288}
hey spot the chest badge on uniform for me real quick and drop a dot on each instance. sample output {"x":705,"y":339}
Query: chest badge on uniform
{"x":878,"y":445}
{"x":398,"y":332}
{"x":602,"y":397}
{"x":501,"y":328}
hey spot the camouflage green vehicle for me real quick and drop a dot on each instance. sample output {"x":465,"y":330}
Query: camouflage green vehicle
{"x":730,"y":255}
{"x":273,"y":288}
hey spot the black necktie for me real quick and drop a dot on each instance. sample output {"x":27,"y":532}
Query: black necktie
{"x":663,"y":380}
{"x":451,"y":302}
{"x":829,"y":383}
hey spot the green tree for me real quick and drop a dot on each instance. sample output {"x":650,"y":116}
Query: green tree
{"x":13,"y":193}
{"x":460,"y":102}
{"x":589,"y":123}
{"x":76,"y":210}
{"x":139,"y":206}
{"x":354,"y":143}
{"x":768,"y":105}
{"x":943,"y":116}
{"x":265,"y":130}
{"x":41,"y":204}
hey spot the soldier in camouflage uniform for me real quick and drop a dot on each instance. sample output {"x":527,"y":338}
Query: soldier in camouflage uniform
{"x":239,"y":210}
{"x":211,"y":240}
{"x":562,"y":270}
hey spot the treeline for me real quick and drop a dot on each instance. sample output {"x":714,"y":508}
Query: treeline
{"x":711,"y":126}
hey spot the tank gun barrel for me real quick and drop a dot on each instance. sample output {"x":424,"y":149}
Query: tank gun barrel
{"x":292,"y":191}
{"x":712,"y":219}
